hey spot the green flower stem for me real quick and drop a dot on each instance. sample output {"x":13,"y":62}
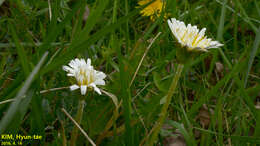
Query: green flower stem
{"x":78,"y":119}
{"x":166,"y":105}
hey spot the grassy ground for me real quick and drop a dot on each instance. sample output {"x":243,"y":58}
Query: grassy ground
{"x":217,"y":97}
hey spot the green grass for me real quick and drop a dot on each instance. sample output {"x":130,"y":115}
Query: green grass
{"x":210,"y":106}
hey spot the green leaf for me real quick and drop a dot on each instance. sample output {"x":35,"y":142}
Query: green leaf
{"x":252,"y":55}
{"x":20,"y":50}
{"x":190,"y":140}
{"x":213,"y":91}
{"x":14,"y":107}
{"x":86,"y":42}
{"x":157,"y":81}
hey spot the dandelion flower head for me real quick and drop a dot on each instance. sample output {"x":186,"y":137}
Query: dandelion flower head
{"x":85,"y":75}
{"x":152,"y":10}
{"x":191,"y":37}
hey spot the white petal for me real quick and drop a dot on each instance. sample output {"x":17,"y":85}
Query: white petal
{"x":83,"y":89}
{"x":74,"y":87}
{"x":99,"y":82}
{"x":88,"y":62}
{"x":77,"y":60}
{"x":83,"y":61}
{"x":100,"y":75}
{"x":70,"y":75}
{"x":96,"y":88}
{"x":202,"y":32}
{"x":216,"y":43}
{"x":67,"y":69}
{"x":73,"y":64}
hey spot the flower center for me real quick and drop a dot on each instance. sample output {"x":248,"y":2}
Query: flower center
{"x":85,"y":77}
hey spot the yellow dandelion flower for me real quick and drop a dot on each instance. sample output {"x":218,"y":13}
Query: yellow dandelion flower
{"x":153,"y":10}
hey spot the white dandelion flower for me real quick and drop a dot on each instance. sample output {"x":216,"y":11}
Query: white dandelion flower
{"x":191,"y":37}
{"x":85,"y":75}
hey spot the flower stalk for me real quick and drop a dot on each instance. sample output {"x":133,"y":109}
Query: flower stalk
{"x":163,"y":113}
{"x":78,"y":119}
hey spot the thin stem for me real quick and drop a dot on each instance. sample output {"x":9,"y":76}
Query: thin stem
{"x":114,"y":19}
{"x":41,"y":92}
{"x":53,"y":89}
{"x":50,"y":12}
{"x":78,"y":119}
{"x":81,"y":130}
{"x":163,"y":114}
{"x":127,"y":26}
{"x":64,"y":139}
{"x":142,"y":59}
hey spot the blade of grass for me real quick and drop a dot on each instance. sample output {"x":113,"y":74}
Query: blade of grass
{"x":189,"y":139}
{"x":1,"y":2}
{"x":164,"y":109}
{"x":141,"y":61}
{"x":13,"y":88}
{"x":17,"y":120}
{"x":91,"y":22}
{"x":78,"y":20}
{"x":37,"y":44}
{"x":257,"y":8}
{"x":220,"y":100}
{"x":236,"y":33}
{"x":222,"y":21}
{"x":125,"y":90}
{"x":114,"y":19}
{"x":125,"y":94}
{"x":220,"y":38}
{"x":245,"y":97}
{"x":257,"y":127}
{"x":218,"y":119}
{"x":190,"y":127}
{"x":253,"y":140}
{"x":36,"y":113}
{"x":13,"y":109}
{"x":252,"y":55}
{"x":55,"y":29}
{"x":146,"y":36}
{"x":127,"y":26}
{"x":245,"y":16}
{"x":246,"y":19}
{"x":214,"y":89}
{"x":20,"y":50}
{"x":78,"y":126}
{"x":112,"y":96}
{"x":87,"y":42}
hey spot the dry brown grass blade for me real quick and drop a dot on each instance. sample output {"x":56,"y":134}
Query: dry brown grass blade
{"x":78,"y":126}
{"x":141,"y":61}
{"x":109,"y":124}
{"x":41,"y":92}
